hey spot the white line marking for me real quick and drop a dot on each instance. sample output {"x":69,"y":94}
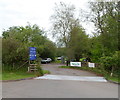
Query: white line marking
{"x":75,"y":78}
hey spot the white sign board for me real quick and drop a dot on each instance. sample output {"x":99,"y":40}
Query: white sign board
{"x":91,"y":65}
{"x":78,"y":64}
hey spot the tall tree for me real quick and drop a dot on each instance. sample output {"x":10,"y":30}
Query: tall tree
{"x":105,"y":18}
{"x":63,"y":21}
{"x":78,"y":45}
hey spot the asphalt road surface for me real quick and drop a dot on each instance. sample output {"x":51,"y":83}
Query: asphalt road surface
{"x":55,"y":70}
{"x":59,"y":88}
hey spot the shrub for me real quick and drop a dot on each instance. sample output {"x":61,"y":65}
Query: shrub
{"x":39,"y":71}
{"x":111,"y":63}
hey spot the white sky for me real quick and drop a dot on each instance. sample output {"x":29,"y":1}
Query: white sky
{"x":19,"y":12}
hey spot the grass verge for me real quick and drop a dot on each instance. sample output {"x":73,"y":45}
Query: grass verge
{"x":57,"y":61}
{"x":97,"y":71}
{"x":14,"y":75}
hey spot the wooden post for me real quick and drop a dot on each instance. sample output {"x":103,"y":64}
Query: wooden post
{"x":29,"y":66}
{"x":112,"y":71}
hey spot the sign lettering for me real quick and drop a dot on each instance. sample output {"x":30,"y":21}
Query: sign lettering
{"x":91,"y":65}
{"x":32,"y":53}
{"x":78,"y":64}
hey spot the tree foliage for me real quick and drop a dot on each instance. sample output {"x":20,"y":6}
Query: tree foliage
{"x":17,"y":40}
{"x":78,"y":45}
{"x":63,"y":21}
{"x":105,"y":18}
{"x":111,"y":63}
{"x":68,"y":31}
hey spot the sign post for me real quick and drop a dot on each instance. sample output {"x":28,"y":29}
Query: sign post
{"x":32,"y":57}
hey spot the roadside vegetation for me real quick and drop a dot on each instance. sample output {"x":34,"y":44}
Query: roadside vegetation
{"x":15,"y":75}
{"x":21,"y":73}
{"x":17,"y":72}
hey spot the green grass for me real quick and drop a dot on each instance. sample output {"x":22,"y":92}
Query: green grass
{"x":0,"y":76}
{"x":16,"y":75}
{"x":46,"y":71}
{"x":12,"y":75}
{"x":97,"y":71}
{"x":57,"y":61}
{"x":112,"y":78}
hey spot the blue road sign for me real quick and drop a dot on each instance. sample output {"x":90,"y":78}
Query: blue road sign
{"x":32,"y":53}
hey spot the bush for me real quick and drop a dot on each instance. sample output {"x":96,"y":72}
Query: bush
{"x":111,"y":63}
{"x":39,"y":71}
{"x":106,"y":63}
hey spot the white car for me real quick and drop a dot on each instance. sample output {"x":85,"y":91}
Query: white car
{"x":49,"y":59}
{"x":46,"y":60}
{"x":59,"y":58}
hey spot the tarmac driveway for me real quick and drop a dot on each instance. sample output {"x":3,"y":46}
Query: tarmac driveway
{"x":42,"y":88}
{"x":55,"y":70}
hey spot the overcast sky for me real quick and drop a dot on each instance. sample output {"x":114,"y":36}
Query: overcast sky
{"x":19,"y":12}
